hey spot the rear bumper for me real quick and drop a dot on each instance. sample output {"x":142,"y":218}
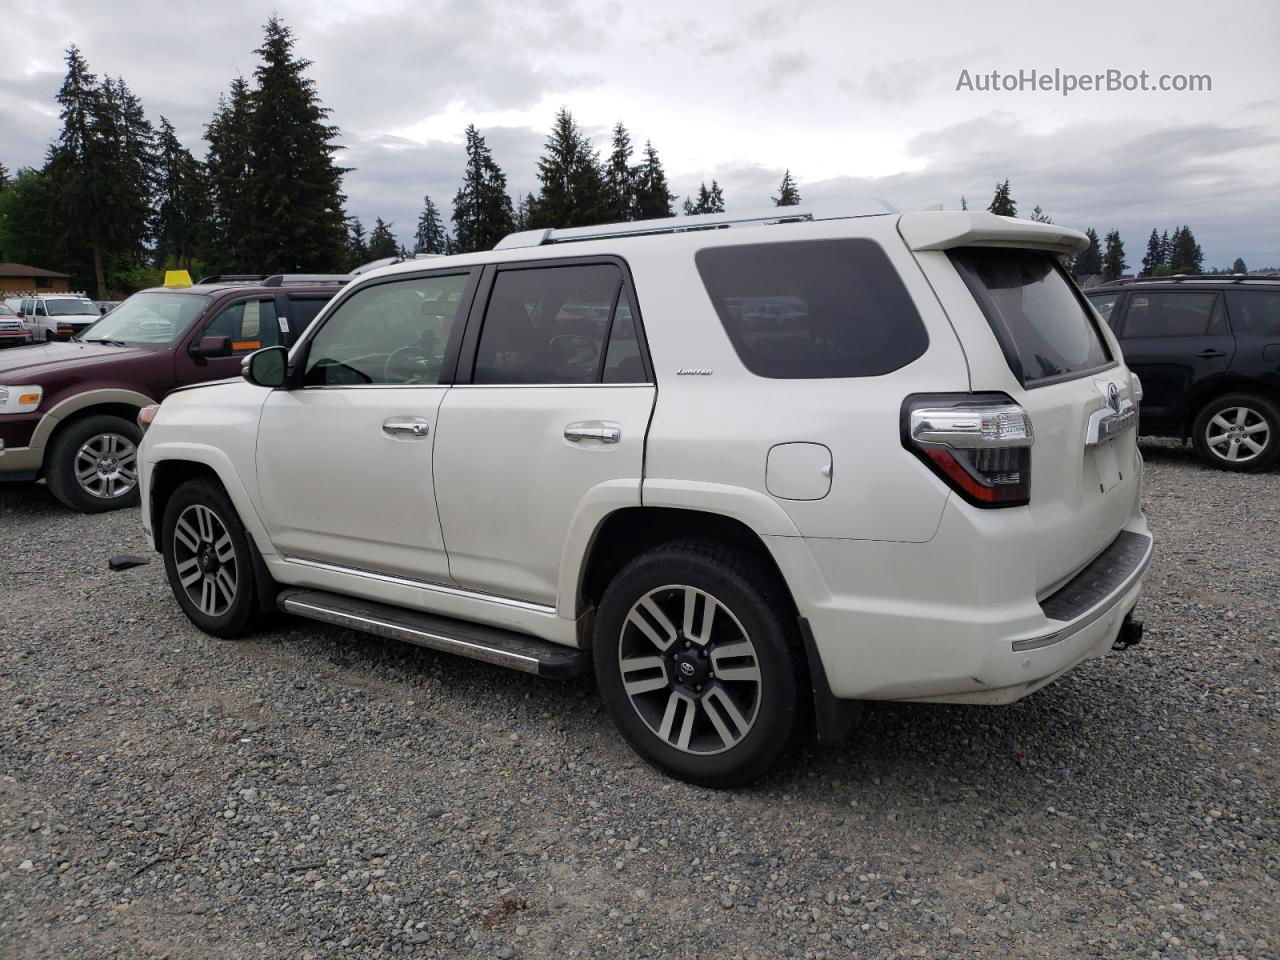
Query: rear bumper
{"x":934,"y":622}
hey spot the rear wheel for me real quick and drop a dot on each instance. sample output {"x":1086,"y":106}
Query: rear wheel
{"x":1238,"y":431}
{"x":92,"y":464}
{"x":699,"y":662}
{"x":207,"y":559}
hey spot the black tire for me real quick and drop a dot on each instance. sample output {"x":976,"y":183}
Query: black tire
{"x":64,"y":455}
{"x":1260,"y":416}
{"x":224,"y":618}
{"x":754,"y":597}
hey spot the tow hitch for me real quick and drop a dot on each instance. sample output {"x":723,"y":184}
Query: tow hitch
{"x":1130,"y":634}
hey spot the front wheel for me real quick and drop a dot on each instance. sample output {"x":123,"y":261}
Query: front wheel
{"x":92,"y":464}
{"x":207,"y":559}
{"x":699,"y":662}
{"x":1238,"y":431}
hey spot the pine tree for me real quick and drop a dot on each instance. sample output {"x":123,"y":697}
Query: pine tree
{"x":520,"y":219}
{"x":72,"y":169}
{"x":653,"y":196}
{"x":28,"y":232}
{"x":1113,"y":262}
{"x":1039,"y":216}
{"x":1186,"y":256}
{"x":1166,"y":251}
{"x":296,"y":188}
{"x":382,"y":242}
{"x":573,"y":188}
{"x":357,"y":244}
{"x":1089,"y":262}
{"x":1151,"y":259}
{"x":964,"y":204}
{"x":708,"y":201}
{"x":481,"y":209}
{"x":620,"y":177}
{"x":228,"y":164}
{"x":1238,"y":266}
{"x":4,"y":176}
{"x":1002,"y":204}
{"x":430,"y":236}
{"x":788,"y":192}
{"x":181,"y":215}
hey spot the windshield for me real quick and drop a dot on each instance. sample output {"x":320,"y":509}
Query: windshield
{"x":71,"y":308}
{"x":6,"y":312}
{"x":149,"y":318}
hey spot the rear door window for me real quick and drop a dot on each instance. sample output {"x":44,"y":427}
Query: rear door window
{"x":1176,"y":314}
{"x":302,"y":311}
{"x":814,"y":308}
{"x":1255,"y":311}
{"x":1035,"y":311}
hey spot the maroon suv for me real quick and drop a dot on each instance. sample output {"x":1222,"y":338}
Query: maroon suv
{"x":68,"y":411}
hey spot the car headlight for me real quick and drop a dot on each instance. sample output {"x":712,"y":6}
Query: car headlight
{"x":20,"y":399}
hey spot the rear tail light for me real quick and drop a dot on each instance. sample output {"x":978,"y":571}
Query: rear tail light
{"x":980,"y":444}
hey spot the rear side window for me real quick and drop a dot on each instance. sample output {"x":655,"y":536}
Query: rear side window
{"x":813,"y":308}
{"x":1255,"y":311}
{"x":1035,"y":311}
{"x":1181,"y":314}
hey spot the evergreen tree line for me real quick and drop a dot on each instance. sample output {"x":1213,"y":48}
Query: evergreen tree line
{"x":1166,"y":255}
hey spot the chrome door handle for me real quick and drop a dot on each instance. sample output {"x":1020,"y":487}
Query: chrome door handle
{"x":411,"y":426}
{"x":593,"y":430}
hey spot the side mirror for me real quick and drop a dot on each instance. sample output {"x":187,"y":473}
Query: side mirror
{"x":212,"y":347}
{"x":268,"y":367}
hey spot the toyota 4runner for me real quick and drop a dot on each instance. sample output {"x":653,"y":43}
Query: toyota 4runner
{"x":748,"y":469}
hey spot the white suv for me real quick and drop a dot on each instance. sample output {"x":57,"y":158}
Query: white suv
{"x":751,"y":470}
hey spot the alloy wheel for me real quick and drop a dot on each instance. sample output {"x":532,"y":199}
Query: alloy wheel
{"x":690,"y":670}
{"x":1237,"y":434}
{"x":204,"y":558}
{"x":106,"y":466}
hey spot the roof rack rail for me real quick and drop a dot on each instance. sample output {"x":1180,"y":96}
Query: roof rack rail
{"x":684,"y":224}
{"x":280,"y":279}
{"x":1190,"y":278}
{"x":232,"y":278}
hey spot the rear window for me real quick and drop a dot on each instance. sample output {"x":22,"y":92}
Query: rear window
{"x":1035,"y":311}
{"x":1255,"y":311}
{"x":813,"y":308}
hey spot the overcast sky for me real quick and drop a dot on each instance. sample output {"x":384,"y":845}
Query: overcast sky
{"x":857,"y":99}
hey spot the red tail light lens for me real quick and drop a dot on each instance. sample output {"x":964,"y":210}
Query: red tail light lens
{"x":980,"y":444}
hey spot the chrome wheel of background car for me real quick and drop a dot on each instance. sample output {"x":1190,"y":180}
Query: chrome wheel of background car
{"x":106,"y":466}
{"x":204,"y":558}
{"x":1237,"y":434}
{"x":689,"y":670}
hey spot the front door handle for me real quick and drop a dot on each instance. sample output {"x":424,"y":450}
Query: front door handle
{"x":602,"y":430}
{"x":407,"y":426}
{"x":1210,"y":354}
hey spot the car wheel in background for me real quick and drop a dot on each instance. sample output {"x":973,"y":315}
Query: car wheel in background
{"x":1238,"y":431}
{"x":92,"y":464}
{"x":699,"y":661}
{"x":207,"y":559}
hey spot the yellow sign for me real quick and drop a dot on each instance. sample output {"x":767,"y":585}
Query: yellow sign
{"x":177,"y":278}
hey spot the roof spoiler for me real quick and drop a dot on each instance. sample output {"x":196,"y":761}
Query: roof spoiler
{"x":930,"y":230}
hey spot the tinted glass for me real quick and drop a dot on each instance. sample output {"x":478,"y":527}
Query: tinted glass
{"x":623,"y":362}
{"x":548,"y":324}
{"x":1255,"y":311}
{"x":71,"y":307}
{"x":6,"y":312}
{"x":1104,"y":303}
{"x":814,"y":308}
{"x":388,"y":333}
{"x":251,"y":325}
{"x":302,"y":313}
{"x":150,"y":318}
{"x":1034,"y":311}
{"x":1179,"y":314}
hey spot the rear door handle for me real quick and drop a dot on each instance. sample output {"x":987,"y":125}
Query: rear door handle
{"x":1210,"y":354}
{"x":407,"y":426}
{"x":603,"y":430}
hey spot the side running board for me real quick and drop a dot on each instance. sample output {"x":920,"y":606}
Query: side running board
{"x":505,"y":648}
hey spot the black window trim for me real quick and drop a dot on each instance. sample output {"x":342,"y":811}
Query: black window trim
{"x":1005,"y":339}
{"x":475,"y":321}
{"x":302,"y":349}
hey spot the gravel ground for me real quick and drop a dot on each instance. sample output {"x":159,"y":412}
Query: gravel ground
{"x":312,"y":792}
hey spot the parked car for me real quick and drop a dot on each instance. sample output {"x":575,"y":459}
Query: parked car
{"x":12,"y":330}
{"x":68,"y":410}
{"x":917,"y":480}
{"x":1207,"y":350}
{"x":57,"y":316}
